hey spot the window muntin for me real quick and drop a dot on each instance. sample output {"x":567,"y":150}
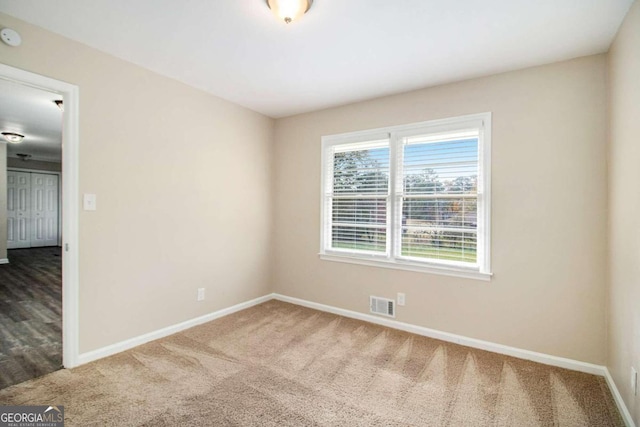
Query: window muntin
{"x":416,"y":197}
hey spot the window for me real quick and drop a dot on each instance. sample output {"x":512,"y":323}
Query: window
{"x":414,"y":197}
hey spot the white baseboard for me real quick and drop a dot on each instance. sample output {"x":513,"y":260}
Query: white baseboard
{"x":4,"y":261}
{"x":622,"y":407}
{"x":546,"y":359}
{"x":151,"y":336}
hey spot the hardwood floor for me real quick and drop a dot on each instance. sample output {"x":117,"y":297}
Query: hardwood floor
{"x":30,"y":314}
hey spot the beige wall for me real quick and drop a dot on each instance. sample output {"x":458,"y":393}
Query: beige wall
{"x":12,"y":162}
{"x":624,"y":208}
{"x":3,"y":201}
{"x":183,"y":184}
{"x":549,"y":210}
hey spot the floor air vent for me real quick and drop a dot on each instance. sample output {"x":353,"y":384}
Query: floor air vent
{"x":383,"y":306}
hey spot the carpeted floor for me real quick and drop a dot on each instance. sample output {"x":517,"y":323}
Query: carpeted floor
{"x":278,"y":364}
{"x":30,"y":314}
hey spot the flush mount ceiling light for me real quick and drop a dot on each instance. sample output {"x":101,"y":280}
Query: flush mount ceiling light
{"x":289,"y":10}
{"x":12,"y":137}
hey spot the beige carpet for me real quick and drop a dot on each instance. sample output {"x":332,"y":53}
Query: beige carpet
{"x":278,"y":364}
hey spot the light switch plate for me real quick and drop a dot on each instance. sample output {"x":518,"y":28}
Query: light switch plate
{"x":90,"y":202}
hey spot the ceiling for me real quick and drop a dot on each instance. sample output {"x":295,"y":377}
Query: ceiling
{"x":31,"y":112}
{"x":339,"y":52}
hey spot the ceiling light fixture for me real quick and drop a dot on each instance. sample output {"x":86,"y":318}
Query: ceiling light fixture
{"x":12,"y":137}
{"x":289,"y":10}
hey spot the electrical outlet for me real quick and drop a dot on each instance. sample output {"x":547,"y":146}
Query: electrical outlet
{"x":634,"y":381}
{"x":200,"y":294}
{"x":401,"y":298}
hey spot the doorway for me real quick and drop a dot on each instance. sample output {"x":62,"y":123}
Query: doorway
{"x":42,"y":249}
{"x":31,"y":279}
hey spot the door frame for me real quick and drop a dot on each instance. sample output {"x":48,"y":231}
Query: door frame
{"x":59,"y":174}
{"x":70,"y":202}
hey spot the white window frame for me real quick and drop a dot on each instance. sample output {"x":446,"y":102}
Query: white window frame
{"x":482,"y":269}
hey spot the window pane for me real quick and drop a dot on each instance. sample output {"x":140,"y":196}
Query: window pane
{"x":450,"y":212}
{"x":359,"y":238}
{"x":439,"y":205}
{"x":361,"y":171}
{"x":359,"y":200}
{"x":436,"y":244}
{"x":369,"y":211}
{"x":449,"y":167}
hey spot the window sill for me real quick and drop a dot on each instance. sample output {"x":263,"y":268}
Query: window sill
{"x":409,"y":266}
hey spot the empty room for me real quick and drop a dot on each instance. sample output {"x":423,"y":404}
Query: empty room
{"x":319,"y":212}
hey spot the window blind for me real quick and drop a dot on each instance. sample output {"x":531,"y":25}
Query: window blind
{"x":359,"y":196}
{"x":438,"y":195}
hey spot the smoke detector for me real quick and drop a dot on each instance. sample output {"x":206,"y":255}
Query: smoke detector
{"x":10,"y":37}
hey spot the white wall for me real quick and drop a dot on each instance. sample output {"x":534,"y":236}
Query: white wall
{"x":549,"y":212}
{"x":624,"y":208}
{"x":3,"y":201}
{"x":183,"y":183}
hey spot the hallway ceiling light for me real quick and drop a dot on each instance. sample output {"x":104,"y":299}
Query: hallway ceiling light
{"x":12,"y":137}
{"x":289,"y":10}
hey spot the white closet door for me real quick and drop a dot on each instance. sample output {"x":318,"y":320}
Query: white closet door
{"x":44,"y":210}
{"x":18,"y":210}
